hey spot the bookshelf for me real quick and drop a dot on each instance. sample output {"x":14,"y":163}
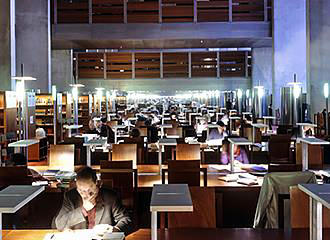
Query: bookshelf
{"x":121,"y":103}
{"x":84,"y":111}
{"x":8,"y":120}
{"x":45,"y":115}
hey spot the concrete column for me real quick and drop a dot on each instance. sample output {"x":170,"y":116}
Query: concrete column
{"x":319,"y":52}
{"x":32,"y":45}
{"x":262,"y":67}
{"x":62,"y":71}
{"x":289,"y":45}
{"x":5,"y":78}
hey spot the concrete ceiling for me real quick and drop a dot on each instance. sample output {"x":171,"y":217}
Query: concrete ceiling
{"x":160,"y":44}
{"x":160,"y":36}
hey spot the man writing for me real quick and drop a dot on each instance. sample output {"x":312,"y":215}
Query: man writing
{"x":89,"y":206}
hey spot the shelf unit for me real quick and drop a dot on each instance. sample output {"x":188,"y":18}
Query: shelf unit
{"x":8,"y":120}
{"x":84,"y":111}
{"x":45,"y":115}
{"x":121,"y":103}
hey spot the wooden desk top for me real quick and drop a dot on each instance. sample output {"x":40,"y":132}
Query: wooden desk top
{"x":148,"y":176}
{"x":188,"y":234}
{"x":147,"y":182}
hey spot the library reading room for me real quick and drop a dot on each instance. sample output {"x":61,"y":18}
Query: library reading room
{"x":164,"y":120}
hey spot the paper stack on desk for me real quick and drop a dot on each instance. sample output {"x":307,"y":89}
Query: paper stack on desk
{"x":229,"y":178}
{"x":86,"y":234}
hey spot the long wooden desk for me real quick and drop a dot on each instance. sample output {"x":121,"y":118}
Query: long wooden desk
{"x":148,"y":176}
{"x":189,"y":234}
{"x":233,"y":200}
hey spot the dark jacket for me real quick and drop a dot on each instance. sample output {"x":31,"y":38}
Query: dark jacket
{"x":109,"y":210}
{"x":107,"y":132}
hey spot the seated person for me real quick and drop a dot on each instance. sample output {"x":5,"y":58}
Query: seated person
{"x":152,"y":133}
{"x":201,"y":126}
{"x":40,"y":133}
{"x":134,"y":136}
{"x":88,"y":206}
{"x":218,"y":133}
{"x":239,"y":154}
{"x":106,"y":131}
{"x":92,"y":128}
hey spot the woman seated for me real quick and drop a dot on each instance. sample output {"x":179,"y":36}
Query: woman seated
{"x":239,"y":154}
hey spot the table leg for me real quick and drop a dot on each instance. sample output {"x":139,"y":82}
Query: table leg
{"x":304,"y":156}
{"x":315,"y":219}
{"x":0,"y":225}
{"x":69,"y":132}
{"x":160,"y":159}
{"x":89,"y":164}
{"x":253,"y":134}
{"x":154,"y":225}
{"x":231,"y":157}
{"x":162,"y":132}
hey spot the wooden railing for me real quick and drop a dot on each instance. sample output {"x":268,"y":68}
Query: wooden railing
{"x":158,"y":11}
{"x":130,"y":65}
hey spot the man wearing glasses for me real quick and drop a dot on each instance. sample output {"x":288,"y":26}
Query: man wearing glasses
{"x":90,"y":207}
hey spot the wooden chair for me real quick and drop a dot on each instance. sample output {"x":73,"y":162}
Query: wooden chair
{"x":279,"y":149}
{"x":124,"y":152}
{"x":204,"y":214}
{"x":299,"y":204}
{"x":315,"y":156}
{"x":188,"y":152}
{"x":62,"y":157}
{"x":143,"y":131}
{"x":14,"y":176}
{"x":273,"y":167}
{"x":185,"y":172}
{"x":121,"y":176}
{"x":173,"y":132}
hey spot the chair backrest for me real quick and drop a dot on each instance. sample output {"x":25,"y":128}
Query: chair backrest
{"x":173,"y":131}
{"x":279,"y":148}
{"x":299,"y":203}
{"x":18,"y":175}
{"x":113,"y":174}
{"x":184,"y":172}
{"x":247,"y":132}
{"x":273,"y":167}
{"x":315,"y":156}
{"x":274,"y":184}
{"x":62,"y":157}
{"x":143,"y":131}
{"x":125,"y":152}
{"x":204,"y":214}
{"x":188,"y":152}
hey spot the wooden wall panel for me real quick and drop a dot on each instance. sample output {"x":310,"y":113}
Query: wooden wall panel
{"x":232,"y":64}
{"x":213,"y":11}
{"x":145,"y":11}
{"x":177,"y":10}
{"x":248,"y":10}
{"x":204,"y":64}
{"x":74,"y":11}
{"x":147,"y":65}
{"x":108,"y":11}
{"x":90,"y":65}
{"x":119,"y":65}
{"x":175,"y":65}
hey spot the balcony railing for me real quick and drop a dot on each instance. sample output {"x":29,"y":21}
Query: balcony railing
{"x":160,"y":11}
